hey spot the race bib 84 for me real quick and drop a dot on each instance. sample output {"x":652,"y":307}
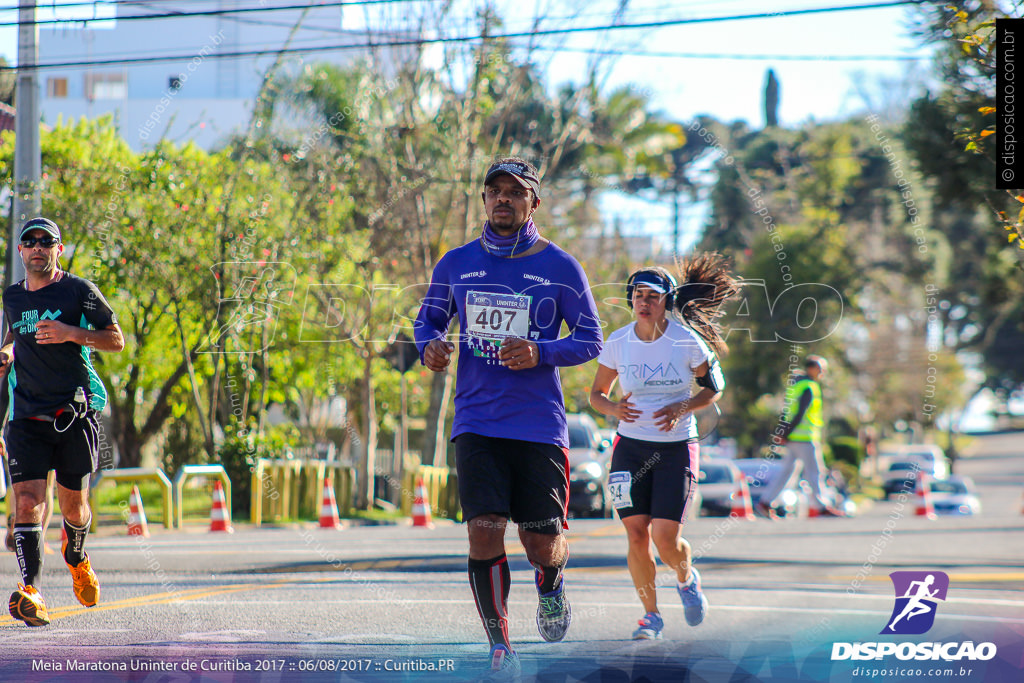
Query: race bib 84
{"x":619,"y":484}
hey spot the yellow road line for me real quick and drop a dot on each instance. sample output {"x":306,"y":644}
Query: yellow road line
{"x":158,"y":599}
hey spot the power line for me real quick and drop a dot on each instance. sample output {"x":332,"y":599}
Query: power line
{"x":53,"y":6}
{"x":461,"y":39}
{"x":239,"y":48}
{"x":208,"y":13}
{"x":595,"y":51}
{"x":62,"y":5}
{"x":752,"y":57}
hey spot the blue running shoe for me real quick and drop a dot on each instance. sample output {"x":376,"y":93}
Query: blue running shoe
{"x":505,"y":664}
{"x":554,"y":615}
{"x":695,"y":605}
{"x":650,"y":627}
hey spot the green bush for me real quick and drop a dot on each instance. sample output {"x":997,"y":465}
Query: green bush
{"x":241,"y":447}
{"x":847,"y":449}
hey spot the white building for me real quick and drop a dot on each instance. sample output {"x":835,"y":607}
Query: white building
{"x":193,"y":94}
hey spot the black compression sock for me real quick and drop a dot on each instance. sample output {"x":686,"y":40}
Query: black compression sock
{"x":75,"y":552}
{"x":28,"y":544}
{"x":491,"y":582}
{"x":548,"y":578}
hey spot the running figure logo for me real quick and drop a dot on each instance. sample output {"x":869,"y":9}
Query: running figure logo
{"x":916,"y":596}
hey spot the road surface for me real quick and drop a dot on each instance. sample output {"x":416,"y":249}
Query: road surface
{"x":392,"y":603}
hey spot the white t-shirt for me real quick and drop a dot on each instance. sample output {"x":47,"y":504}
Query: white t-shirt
{"x":658,"y":373}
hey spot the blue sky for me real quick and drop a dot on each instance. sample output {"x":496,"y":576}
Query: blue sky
{"x":821,"y":86}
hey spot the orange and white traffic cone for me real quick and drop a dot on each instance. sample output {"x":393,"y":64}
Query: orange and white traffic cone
{"x":137,"y":525}
{"x":420,"y":506}
{"x":329,"y":508}
{"x":923,"y":496}
{"x":741,"y":505}
{"x":220,"y":516}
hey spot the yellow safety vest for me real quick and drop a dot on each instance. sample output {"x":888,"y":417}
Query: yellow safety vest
{"x":810,"y":426}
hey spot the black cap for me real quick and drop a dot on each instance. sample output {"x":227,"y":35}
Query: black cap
{"x":817,"y":360}
{"x":518,"y":169}
{"x":40,"y":223}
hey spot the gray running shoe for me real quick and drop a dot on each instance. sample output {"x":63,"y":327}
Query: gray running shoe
{"x":554,"y":615}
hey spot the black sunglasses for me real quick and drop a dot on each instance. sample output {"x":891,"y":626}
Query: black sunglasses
{"x":46,"y":242}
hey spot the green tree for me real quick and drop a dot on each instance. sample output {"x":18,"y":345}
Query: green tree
{"x":8,"y":84}
{"x":948,"y":132}
{"x":821,"y":225}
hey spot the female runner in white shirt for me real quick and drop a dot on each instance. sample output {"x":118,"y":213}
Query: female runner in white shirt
{"x":654,"y":464}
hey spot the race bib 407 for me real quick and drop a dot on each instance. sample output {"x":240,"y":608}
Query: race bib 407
{"x":497,"y":316}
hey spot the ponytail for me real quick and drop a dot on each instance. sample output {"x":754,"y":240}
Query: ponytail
{"x":707,"y":284}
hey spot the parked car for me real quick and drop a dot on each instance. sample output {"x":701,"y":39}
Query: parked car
{"x":717,"y":487}
{"x":955,"y":496}
{"x":901,"y":477}
{"x":923,"y":451}
{"x":588,"y":468}
{"x":791,"y":502}
{"x":931,"y":454}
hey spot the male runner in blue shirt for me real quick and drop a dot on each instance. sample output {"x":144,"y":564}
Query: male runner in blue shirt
{"x":511,"y":290}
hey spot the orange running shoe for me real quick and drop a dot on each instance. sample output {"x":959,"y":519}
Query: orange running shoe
{"x":86,"y":585}
{"x":27,"y":604}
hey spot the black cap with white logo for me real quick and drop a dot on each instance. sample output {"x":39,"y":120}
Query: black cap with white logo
{"x":518,"y":169}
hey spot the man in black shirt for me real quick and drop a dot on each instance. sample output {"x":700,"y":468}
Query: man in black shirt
{"x":54,"y":320}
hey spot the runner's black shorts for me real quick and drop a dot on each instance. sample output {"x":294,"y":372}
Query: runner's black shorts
{"x":34,"y":447}
{"x":522,"y":480}
{"x":652,"y":478}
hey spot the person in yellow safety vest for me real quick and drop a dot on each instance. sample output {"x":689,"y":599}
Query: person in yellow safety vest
{"x":800,"y":431}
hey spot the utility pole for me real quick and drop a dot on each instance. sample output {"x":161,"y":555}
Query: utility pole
{"x":27,"y":160}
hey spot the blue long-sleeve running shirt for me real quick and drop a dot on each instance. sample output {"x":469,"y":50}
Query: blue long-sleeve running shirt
{"x":529,"y":298}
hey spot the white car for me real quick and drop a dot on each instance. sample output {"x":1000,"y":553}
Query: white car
{"x":718,"y":487}
{"x":929,"y":453}
{"x":585,"y":440}
{"x":588,"y":467}
{"x":955,"y":496}
{"x":901,"y":477}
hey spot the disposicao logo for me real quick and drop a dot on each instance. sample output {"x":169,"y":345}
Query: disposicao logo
{"x":917,"y":598}
{"x":917,"y":594}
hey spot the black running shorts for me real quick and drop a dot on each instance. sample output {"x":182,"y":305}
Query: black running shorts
{"x":522,"y":480}
{"x":652,"y":478}
{"x":34,"y":447}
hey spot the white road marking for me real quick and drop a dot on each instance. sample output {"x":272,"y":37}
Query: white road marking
{"x":626,"y":605}
{"x":222,"y":636}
